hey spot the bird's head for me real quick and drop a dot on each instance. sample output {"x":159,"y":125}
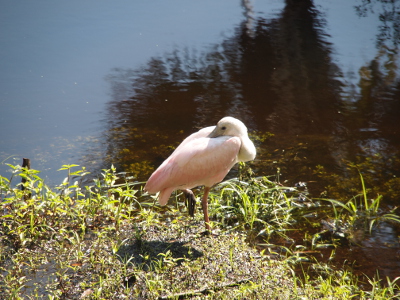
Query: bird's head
{"x":229,"y":126}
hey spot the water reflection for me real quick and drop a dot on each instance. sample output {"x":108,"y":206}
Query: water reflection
{"x":278,"y":75}
{"x":388,"y":13}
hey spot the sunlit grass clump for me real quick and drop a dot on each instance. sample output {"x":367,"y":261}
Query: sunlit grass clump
{"x":256,"y":204}
{"x":104,"y":238}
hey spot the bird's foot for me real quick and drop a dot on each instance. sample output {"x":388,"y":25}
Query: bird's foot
{"x":205,"y":233}
{"x":209,"y":232}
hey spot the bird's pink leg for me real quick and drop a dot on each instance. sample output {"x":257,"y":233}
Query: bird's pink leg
{"x":204,"y":203}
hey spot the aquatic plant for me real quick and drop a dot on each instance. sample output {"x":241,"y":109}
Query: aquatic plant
{"x":362,"y":212}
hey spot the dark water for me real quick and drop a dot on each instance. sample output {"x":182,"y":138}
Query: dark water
{"x":97,"y":83}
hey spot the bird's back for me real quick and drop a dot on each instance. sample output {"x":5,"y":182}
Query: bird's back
{"x":199,"y":160}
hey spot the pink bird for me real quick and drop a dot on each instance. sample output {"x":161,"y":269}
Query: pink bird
{"x":203,"y":158}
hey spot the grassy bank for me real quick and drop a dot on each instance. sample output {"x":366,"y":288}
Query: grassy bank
{"x":108,"y":240}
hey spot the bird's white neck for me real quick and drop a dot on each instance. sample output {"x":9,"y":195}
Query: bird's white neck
{"x":247,"y":151}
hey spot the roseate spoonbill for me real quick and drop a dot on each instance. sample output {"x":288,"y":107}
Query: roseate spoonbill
{"x":203,"y":158}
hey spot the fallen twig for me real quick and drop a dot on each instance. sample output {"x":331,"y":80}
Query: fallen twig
{"x":203,"y":291}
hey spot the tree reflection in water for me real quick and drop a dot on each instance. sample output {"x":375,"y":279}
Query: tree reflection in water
{"x":277,"y":75}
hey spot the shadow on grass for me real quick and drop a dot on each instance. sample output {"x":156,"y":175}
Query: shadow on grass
{"x":147,"y":254}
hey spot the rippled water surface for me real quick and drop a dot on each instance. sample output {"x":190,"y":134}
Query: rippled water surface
{"x":99,"y":82}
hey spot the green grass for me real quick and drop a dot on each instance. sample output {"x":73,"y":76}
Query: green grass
{"x":109,"y":240}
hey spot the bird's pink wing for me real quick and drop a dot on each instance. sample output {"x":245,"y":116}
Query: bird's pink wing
{"x":155,"y":182}
{"x":201,"y":161}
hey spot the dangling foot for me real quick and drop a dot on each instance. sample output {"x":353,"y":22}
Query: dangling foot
{"x":190,"y":201}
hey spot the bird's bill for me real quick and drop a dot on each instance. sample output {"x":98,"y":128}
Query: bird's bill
{"x":215,"y":133}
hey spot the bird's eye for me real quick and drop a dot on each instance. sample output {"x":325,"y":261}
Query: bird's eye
{"x":223,"y":127}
